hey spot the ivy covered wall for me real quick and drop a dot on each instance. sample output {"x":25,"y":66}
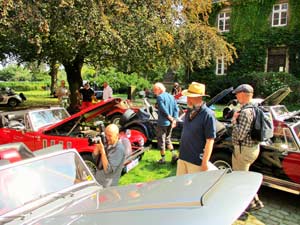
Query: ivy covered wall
{"x":252,"y":34}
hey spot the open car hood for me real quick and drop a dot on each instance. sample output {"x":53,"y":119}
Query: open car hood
{"x":101,"y":108}
{"x":219,"y":96}
{"x":276,"y":97}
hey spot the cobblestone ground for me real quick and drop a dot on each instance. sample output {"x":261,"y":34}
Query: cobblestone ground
{"x":281,"y":208}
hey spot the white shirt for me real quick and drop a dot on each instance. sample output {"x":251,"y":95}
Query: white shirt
{"x":107,"y":92}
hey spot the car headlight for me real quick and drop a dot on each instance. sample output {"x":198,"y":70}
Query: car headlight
{"x":128,"y":133}
{"x":141,"y":142}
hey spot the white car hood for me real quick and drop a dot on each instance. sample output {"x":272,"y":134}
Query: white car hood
{"x":202,"y":198}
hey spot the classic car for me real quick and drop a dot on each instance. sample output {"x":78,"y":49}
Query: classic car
{"x":279,"y":158}
{"x":10,"y":98}
{"x":41,"y":128}
{"x":145,"y":119}
{"x":58,"y":188}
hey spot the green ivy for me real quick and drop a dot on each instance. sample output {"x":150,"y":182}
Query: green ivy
{"x":252,"y":34}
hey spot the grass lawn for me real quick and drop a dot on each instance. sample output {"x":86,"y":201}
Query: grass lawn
{"x":148,"y":169}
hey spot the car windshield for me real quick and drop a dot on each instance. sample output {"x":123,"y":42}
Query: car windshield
{"x":279,"y":111}
{"x":47,"y":117}
{"x":27,"y":182}
{"x":297,"y":130}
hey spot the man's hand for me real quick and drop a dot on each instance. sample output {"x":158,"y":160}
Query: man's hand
{"x":173,"y":123}
{"x":235,"y":116}
{"x":204,"y":166}
{"x":99,"y":149}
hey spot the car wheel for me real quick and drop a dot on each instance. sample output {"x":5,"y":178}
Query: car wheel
{"x":12,"y":102}
{"x":88,"y":159}
{"x":116,"y":119}
{"x":222,"y":160}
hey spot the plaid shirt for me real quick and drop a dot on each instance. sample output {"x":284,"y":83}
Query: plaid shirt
{"x":241,"y":129}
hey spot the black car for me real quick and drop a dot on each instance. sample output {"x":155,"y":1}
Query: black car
{"x":145,"y":120}
{"x":279,"y":159}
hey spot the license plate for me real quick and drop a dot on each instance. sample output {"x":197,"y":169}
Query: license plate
{"x":132,"y":164}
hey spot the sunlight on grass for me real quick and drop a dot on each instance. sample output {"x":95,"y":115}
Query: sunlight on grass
{"x":149,"y":170}
{"x":39,"y":98}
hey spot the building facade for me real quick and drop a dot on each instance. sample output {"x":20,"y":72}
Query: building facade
{"x":266,"y":35}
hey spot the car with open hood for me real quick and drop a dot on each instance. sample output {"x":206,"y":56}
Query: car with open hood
{"x":279,"y":158}
{"x":59,"y":188}
{"x":145,"y":119}
{"x":44,"y":127}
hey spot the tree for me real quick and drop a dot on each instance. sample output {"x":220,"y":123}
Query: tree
{"x":132,"y":35}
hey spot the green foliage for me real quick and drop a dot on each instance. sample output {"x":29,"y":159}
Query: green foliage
{"x":25,"y":85}
{"x":15,"y":73}
{"x":252,"y":34}
{"x":23,"y":73}
{"x":120,"y":81}
{"x":264,"y":84}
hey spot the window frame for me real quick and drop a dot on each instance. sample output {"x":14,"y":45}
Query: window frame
{"x":224,"y":19}
{"x":221,"y":66}
{"x":279,"y":12}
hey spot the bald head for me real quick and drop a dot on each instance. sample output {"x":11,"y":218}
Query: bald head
{"x":112,"y":134}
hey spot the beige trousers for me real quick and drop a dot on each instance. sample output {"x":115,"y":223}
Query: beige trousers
{"x":243,"y":157}
{"x":184,"y":167}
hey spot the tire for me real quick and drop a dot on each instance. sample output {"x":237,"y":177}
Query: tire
{"x":89,"y":161}
{"x":222,"y":160}
{"x":13,"y":102}
{"x":23,"y":96}
{"x":138,"y":129}
{"x":116,"y":119}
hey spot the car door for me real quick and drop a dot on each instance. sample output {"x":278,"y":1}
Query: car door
{"x":281,"y":157}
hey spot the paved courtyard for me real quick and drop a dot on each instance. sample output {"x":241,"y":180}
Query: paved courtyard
{"x":281,"y":208}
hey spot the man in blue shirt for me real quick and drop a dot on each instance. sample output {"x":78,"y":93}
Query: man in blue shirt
{"x":198,"y":134}
{"x":167,"y":116}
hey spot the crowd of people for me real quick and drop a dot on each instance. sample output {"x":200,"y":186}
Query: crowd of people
{"x":85,"y":94}
{"x":197,"y":138}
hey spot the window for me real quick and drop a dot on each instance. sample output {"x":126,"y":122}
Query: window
{"x":223,"y":21}
{"x":221,"y":66}
{"x":280,"y":15}
{"x":277,"y":60}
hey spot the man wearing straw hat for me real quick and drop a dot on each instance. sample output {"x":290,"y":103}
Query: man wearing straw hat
{"x":198,"y":134}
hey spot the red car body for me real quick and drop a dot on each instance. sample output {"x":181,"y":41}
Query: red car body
{"x":74,"y":131}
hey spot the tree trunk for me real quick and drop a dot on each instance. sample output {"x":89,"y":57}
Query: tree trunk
{"x":53,"y":74}
{"x":73,"y":70}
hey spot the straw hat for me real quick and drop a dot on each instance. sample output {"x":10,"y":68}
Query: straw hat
{"x":195,"y":90}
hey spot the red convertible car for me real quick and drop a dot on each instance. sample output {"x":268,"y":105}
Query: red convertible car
{"x":41,"y":128}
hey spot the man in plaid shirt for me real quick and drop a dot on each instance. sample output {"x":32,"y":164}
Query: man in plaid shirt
{"x":246,"y":150}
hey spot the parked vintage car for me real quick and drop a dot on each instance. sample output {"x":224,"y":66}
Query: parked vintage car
{"x":145,"y":120}
{"x":9,"y":97}
{"x":58,"y":188}
{"x":41,"y":128}
{"x":279,"y":158}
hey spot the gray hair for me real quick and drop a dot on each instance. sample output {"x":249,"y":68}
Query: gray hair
{"x":160,"y":86}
